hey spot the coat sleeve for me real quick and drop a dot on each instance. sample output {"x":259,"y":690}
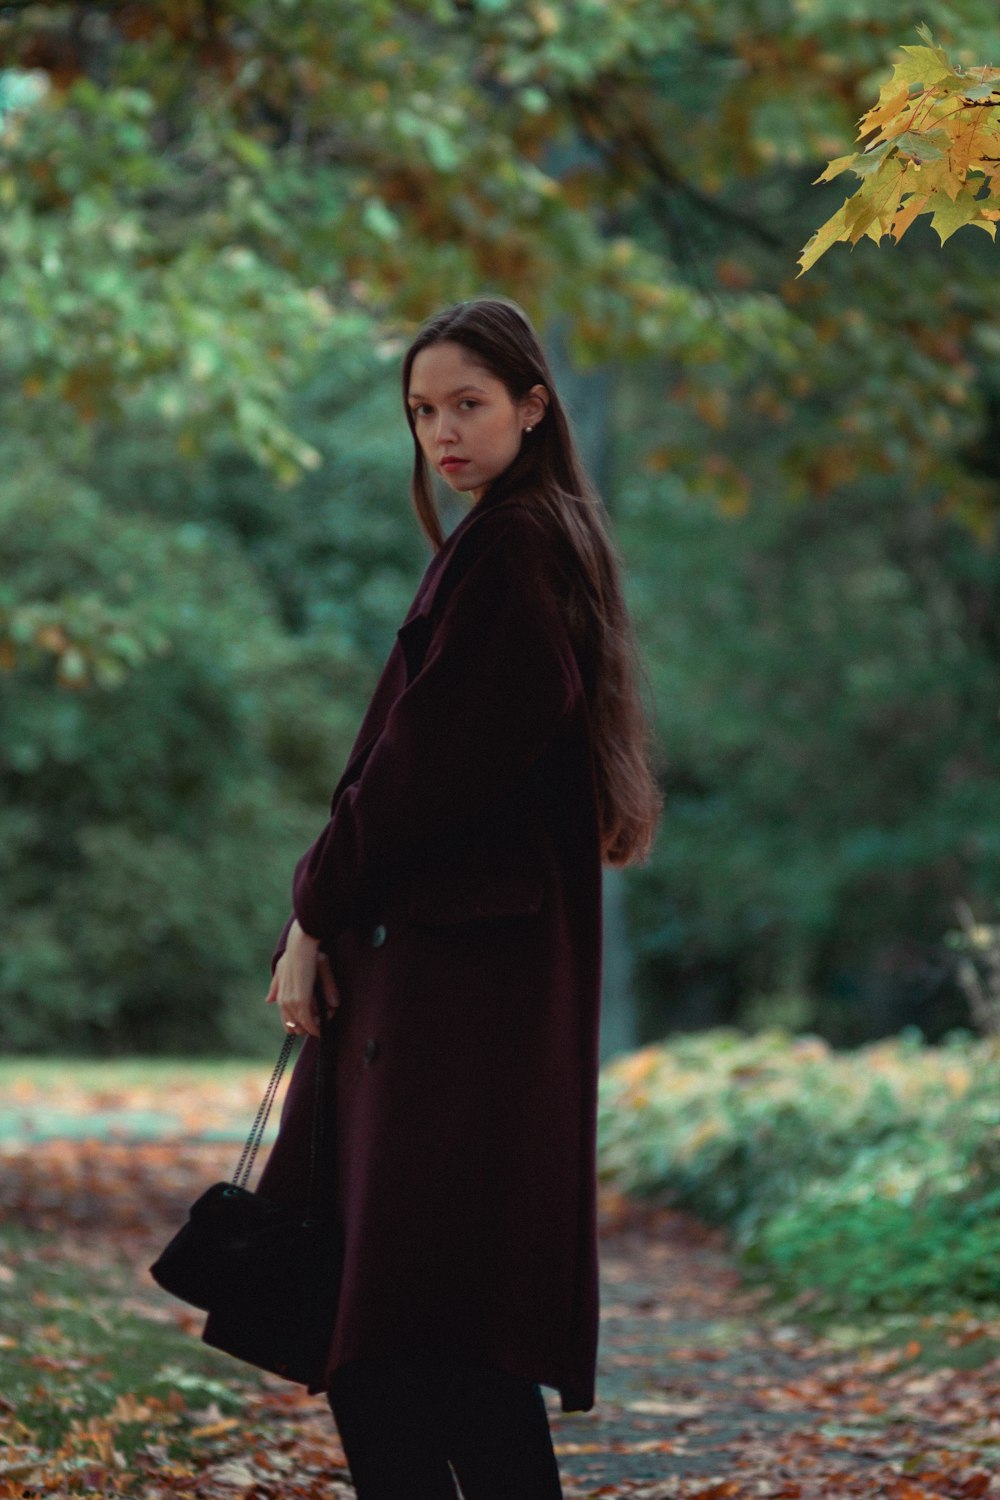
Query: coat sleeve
{"x":498,"y":676}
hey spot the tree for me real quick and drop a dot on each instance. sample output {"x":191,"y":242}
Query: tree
{"x":215,"y":216}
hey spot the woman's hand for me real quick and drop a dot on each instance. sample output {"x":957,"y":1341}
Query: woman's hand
{"x":293,"y":987}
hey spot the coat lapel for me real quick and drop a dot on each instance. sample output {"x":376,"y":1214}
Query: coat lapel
{"x":412,"y":640}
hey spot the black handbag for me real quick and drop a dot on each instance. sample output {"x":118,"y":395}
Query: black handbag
{"x":266,"y":1273}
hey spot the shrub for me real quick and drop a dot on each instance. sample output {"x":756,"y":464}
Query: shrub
{"x":865,"y":1180}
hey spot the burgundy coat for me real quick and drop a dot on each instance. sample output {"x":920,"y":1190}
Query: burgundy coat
{"x":457,"y":890}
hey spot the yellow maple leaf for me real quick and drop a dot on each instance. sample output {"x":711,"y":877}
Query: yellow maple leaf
{"x":914,"y":205}
{"x":892,"y":103}
{"x":838,"y":165}
{"x":953,"y":215}
{"x":828,"y":234}
{"x":934,"y":146}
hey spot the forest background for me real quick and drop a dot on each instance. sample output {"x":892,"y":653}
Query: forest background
{"x":219,"y":222}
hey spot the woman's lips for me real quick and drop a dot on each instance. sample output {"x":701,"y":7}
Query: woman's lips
{"x":448,"y":464}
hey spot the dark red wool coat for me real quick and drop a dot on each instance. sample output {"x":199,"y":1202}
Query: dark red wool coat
{"x":457,"y":890}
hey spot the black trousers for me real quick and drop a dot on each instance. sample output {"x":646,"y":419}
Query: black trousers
{"x":411,"y":1426}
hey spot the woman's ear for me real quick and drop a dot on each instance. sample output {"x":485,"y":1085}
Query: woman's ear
{"x":534,"y":405}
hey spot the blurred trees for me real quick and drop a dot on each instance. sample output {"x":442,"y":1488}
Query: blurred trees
{"x":219,"y":220}
{"x":830,"y":713}
{"x":148,"y":826}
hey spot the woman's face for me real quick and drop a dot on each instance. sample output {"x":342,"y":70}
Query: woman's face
{"x":465,"y":421}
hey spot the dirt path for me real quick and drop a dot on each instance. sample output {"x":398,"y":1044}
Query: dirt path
{"x":700,"y":1395}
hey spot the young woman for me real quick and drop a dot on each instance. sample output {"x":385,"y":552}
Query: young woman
{"x":450,"y":911}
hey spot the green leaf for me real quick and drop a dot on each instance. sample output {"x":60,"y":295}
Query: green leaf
{"x":953,"y":215}
{"x":440,"y":148}
{"x":875,"y":202}
{"x":924,"y":65}
{"x":862,"y":211}
{"x":921,"y":147}
{"x":981,"y":91}
{"x":247,"y":150}
{"x":73,"y":666}
{"x":380,"y":219}
{"x":869,"y":162}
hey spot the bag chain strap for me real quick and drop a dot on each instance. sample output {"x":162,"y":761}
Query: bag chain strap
{"x":246,"y":1162}
{"x":253,"y":1140}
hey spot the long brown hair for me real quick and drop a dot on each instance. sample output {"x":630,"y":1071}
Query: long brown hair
{"x":548,"y":473}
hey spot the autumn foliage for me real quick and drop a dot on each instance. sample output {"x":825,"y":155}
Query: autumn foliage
{"x":932,"y":146}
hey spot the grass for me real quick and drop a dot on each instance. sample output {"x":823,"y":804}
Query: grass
{"x":94,"y":1371}
{"x":105,"y":1386}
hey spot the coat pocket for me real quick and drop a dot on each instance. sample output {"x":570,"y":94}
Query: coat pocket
{"x":443,"y":903}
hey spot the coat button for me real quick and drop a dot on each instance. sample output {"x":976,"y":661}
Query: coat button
{"x":378,"y":936}
{"x":371,"y":1050}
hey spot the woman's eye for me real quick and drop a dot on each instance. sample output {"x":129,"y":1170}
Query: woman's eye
{"x":426,"y":410}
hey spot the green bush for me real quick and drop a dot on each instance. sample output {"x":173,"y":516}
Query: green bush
{"x":146,"y":834}
{"x":861,"y":1180}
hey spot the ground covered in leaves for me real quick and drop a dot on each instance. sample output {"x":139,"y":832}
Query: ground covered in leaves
{"x":705,"y":1390}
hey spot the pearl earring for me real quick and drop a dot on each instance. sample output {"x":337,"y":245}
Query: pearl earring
{"x":529,"y":429}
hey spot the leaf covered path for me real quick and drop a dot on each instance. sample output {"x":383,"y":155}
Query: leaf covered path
{"x":702,"y":1393}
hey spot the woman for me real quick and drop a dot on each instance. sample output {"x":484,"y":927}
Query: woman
{"x":451,"y":912}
